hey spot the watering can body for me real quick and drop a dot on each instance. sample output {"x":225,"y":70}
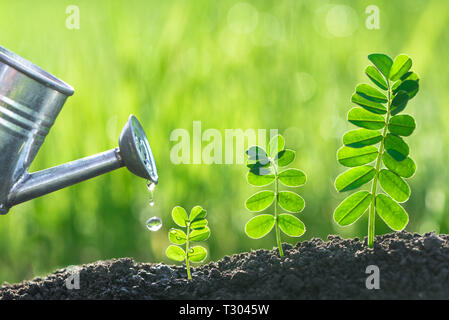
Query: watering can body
{"x":30,"y":101}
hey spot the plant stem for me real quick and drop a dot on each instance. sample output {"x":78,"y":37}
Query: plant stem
{"x":276,"y":224}
{"x":372,"y":212}
{"x":187,"y":252}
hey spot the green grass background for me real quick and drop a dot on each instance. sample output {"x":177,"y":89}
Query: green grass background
{"x":290,"y":65}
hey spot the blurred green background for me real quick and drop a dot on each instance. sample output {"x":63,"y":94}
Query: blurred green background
{"x":287,"y":65}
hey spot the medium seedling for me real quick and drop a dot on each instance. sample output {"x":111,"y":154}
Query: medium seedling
{"x":379,"y":141}
{"x":264,"y":170}
{"x":196,"y":230}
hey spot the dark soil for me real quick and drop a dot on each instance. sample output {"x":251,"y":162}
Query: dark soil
{"x":411,"y":266}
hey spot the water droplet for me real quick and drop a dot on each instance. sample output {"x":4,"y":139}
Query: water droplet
{"x":151,"y":187}
{"x":154,"y":223}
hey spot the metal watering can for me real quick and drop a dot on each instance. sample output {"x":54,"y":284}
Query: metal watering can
{"x":30,"y":101}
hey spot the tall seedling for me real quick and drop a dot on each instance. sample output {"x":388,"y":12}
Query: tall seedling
{"x":377,"y":152}
{"x":265,"y":170}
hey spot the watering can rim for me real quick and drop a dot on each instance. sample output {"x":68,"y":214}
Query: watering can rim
{"x":34,"y":72}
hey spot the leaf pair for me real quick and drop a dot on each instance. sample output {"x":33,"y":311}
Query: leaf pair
{"x":289,"y":178}
{"x":391,"y":70}
{"x":287,"y":200}
{"x":197,"y":230}
{"x":379,"y":120}
{"x":264,"y":170}
{"x":194,"y":254}
{"x":354,"y":206}
{"x":261,"y":225}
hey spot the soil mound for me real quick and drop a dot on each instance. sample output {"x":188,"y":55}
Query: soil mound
{"x":412,"y":266}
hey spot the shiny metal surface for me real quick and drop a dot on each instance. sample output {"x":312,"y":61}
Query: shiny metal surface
{"x":30,"y":101}
{"x":42,"y":182}
{"x":136,"y":151}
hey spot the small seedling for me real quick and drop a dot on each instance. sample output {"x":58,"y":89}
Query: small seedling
{"x":196,"y":230}
{"x":264,"y":170}
{"x":381,"y":124}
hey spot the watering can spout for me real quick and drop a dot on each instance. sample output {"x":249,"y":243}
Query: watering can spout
{"x":134,"y":153}
{"x":30,"y":101}
{"x":42,"y":182}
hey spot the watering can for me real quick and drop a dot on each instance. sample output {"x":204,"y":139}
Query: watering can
{"x":30,"y":101}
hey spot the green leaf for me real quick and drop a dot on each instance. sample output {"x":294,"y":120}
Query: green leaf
{"x":259,"y":180}
{"x":354,"y":157}
{"x":352,"y":208}
{"x":391,"y":212}
{"x":260,"y":201}
{"x":285,"y":157}
{"x":259,"y":226}
{"x":365,"y":119}
{"x":395,"y":86}
{"x":405,"y":168}
{"x":257,"y":153}
{"x":291,"y":225}
{"x":197,"y":254}
{"x":402,"y":125}
{"x":396,"y":147}
{"x":197,"y":213}
{"x":251,"y":164}
{"x":179,"y":216}
{"x":399,"y":102}
{"x":360,"y":138}
{"x":370,"y":93}
{"x":276,"y":145}
{"x":382,"y":62}
{"x":409,"y":86}
{"x":292,"y":177}
{"x":354,"y":178}
{"x":199,"y":234}
{"x":261,"y":170}
{"x":410,"y":76}
{"x":376,"y":77}
{"x":175,"y":253}
{"x":402,"y":63}
{"x":368,"y":105}
{"x":198,"y":224}
{"x":290,"y":201}
{"x":177,"y":236}
{"x":393,"y":184}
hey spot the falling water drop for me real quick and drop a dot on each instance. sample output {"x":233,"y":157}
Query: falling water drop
{"x":151,"y":187}
{"x":154,"y":223}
